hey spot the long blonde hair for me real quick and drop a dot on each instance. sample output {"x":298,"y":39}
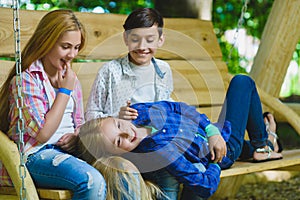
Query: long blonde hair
{"x":116,"y":170}
{"x":124,"y":180}
{"x":91,"y":138}
{"x":48,"y":31}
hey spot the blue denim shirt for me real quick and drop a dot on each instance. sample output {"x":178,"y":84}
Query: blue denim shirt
{"x":179,"y":142}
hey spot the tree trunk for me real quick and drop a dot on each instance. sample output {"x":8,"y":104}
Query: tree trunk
{"x":278,"y":42}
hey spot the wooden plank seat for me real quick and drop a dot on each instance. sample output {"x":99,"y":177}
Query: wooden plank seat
{"x":200,"y":79}
{"x":291,"y":159}
{"x":10,"y":192}
{"x":10,"y":157}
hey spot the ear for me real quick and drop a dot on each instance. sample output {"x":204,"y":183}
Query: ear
{"x":125,"y":38}
{"x":161,"y":40}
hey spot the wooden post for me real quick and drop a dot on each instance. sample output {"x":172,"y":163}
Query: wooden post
{"x":278,"y":42}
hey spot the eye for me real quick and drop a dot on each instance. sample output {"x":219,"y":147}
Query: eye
{"x":77,"y":47}
{"x":118,"y":142}
{"x":134,"y":40}
{"x":150,"y":40}
{"x":65,"y":46}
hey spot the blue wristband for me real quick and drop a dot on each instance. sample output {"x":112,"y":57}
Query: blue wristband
{"x":64,"y":91}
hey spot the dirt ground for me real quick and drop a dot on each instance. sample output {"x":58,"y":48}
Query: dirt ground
{"x":285,"y":190}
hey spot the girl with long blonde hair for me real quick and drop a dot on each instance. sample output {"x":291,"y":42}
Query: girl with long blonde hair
{"x":53,"y":108}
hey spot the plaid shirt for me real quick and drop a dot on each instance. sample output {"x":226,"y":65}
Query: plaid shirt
{"x":179,"y":142}
{"x":38,"y":97}
{"x":115,"y":84}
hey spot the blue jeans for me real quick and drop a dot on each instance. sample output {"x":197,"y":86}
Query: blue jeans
{"x":170,"y":186}
{"x":166,"y":182}
{"x":51,"y":167}
{"x":242,"y":107}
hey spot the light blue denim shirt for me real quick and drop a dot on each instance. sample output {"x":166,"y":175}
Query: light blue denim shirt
{"x":115,"y":84}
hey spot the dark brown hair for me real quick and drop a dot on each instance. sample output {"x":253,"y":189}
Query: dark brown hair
{"x":142,"y":18}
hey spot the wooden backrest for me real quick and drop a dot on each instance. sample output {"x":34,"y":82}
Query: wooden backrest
{"x":191,"y":49}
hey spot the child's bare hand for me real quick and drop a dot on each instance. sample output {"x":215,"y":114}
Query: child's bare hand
{"x":217,"y":147}
{"x":128,"y":113}
{"x":66,"y":80}
{"x":68,"y":142}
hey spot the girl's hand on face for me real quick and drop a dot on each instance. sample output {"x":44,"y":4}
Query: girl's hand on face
{"x":128,"y":113}
{"x":66,"y":80}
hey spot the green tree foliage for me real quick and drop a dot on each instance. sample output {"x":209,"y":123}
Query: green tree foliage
{"x":120,"y":6}
{"x":226,"y":16}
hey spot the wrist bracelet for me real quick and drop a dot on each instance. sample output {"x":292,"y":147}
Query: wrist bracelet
{"x":65,"y":91}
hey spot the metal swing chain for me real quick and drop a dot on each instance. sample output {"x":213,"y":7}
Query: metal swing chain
{"x":19,"y":99}
{"x":239,"y":25}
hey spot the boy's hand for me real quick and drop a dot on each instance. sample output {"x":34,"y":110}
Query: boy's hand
{"x":128,"y":113}
{"x":217,"y":147}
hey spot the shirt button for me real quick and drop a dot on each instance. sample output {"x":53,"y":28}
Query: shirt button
{"x":180,"y":130}
{"x":164,"y":130}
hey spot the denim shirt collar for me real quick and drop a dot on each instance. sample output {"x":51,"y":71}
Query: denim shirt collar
{"x":157,"y":69}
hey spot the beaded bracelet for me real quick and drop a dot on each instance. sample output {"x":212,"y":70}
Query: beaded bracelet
{"x":64,"y":91}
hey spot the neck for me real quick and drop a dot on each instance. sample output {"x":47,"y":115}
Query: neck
{"x":52,"y":74}
{"x":144,"y":132}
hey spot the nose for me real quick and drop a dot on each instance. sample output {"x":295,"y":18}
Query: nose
{"x":142,"y":44}
{"x":72,"y":53}
{"x":126,"y":136}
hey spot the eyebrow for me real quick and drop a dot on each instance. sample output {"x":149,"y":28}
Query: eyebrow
{"x":137,"y":35}
{"x":69,"y":43}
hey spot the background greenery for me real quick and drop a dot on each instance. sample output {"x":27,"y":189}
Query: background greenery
{"x":225,"y":16}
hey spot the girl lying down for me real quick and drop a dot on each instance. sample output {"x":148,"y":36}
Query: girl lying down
{"x":173,"y":135}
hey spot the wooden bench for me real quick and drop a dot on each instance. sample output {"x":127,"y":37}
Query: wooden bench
{"x":200,"y":79}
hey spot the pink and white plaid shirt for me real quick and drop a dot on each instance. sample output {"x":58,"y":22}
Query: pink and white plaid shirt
{"x":38,"y":97}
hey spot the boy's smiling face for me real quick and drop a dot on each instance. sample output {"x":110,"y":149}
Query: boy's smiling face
{"x":142,"y":44}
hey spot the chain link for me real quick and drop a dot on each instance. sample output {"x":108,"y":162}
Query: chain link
{"x":239,"y":25}
{"x":19,"y":98}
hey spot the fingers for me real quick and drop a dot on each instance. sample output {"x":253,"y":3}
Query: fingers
{"x":212,"y":152}
{"x":128,"y":103}
{"x":60,"y":77}
{"x":66,"y":77}
{"x":128,"y":113}
{"x":219,"y":156}
{"x":217,"y":148}
{"x":68,"y":142}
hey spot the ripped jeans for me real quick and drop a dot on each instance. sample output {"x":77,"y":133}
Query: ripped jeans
{"x":51,"y":167}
